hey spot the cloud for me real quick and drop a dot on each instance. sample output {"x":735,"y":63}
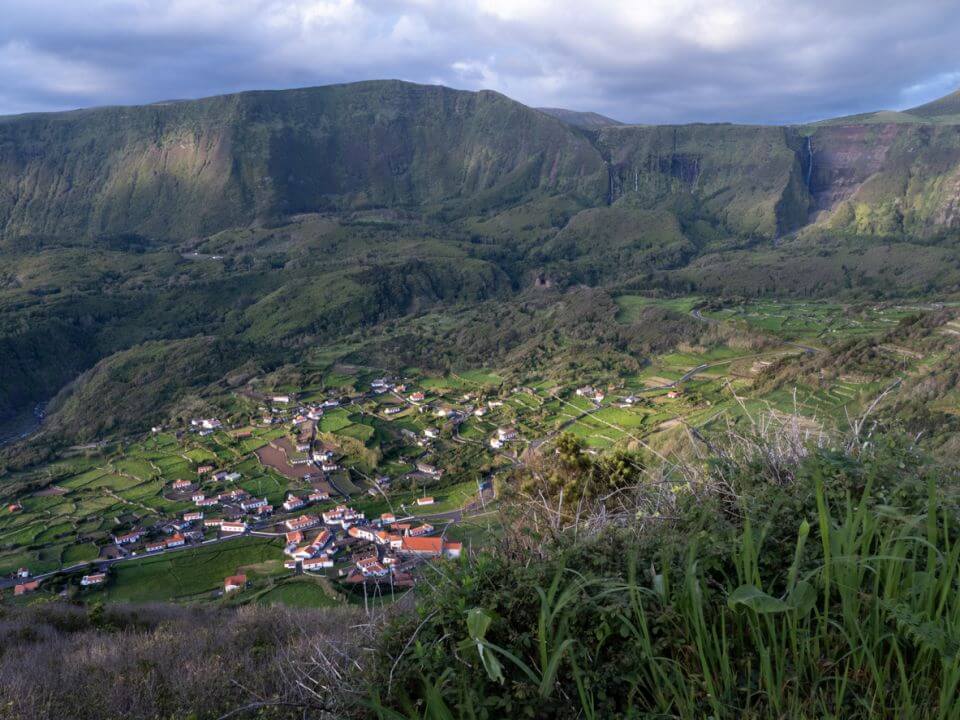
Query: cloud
{"x":650,"y":61}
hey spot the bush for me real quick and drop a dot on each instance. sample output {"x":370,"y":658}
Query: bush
{"x":834,"y":595}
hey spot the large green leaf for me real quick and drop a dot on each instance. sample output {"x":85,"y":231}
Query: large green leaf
{"x":756,"y":599}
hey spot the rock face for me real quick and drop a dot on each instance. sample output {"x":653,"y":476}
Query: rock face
{"x":188,"y":169}
{"x":887,"y":179}
{"x":842,"y":158}
{"x":180,"y":170}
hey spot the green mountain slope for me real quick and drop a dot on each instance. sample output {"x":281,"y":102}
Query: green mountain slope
{"x":187,"y":169}
{"x":945,"y":107}
{"x":585,"y":120}
{"x":288,"y":219}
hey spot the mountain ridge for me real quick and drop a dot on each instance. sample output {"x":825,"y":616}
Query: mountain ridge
{"x":280,"y":219}
{"x":190,"y":168}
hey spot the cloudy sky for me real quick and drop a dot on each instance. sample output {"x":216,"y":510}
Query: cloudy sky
{"x":635,"y":60}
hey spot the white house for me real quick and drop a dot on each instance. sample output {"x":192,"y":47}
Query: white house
{"x":505,"y":434}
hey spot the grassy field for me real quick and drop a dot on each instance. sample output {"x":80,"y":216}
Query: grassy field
{"x":632,"y":305}
{"x":194,"y":573}
{"x":303,"y":591}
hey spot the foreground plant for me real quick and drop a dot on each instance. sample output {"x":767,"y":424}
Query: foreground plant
{"x":856,"y":616}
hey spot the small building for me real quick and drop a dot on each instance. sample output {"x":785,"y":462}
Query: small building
{"x":430,"y":547}
{"x":253,"y":504}
{"x":417,"y":397}
{"x":420,"y":530}
{"x":280,"y":399}
{"x":193,"y":516}
{"x":128,"y":538}
{"x":234,"y":582}
{"x":318,"y":563}
{"x":182,"y":484}
{"x":318,"y":496}
{"x":293,"y":503}
{"x":303,"y":522}
{"x":233,"y":527}
{"x":94,"y":579}
{"x":363,"y":533}
{"x":203,"y":469}
{"x":506,"y":434}
{"x":388,"y":518}
{"x":370,"y":566}
{"x":26,"y":587}
{"x":427,"y":500}
{"x":431,"y":432}
{"x":294,"y":537}
{"x":177,"y":540}
{"x":428,"y":469}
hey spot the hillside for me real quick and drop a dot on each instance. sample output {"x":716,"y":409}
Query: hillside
{"x":275,"y":221}
{"x":186,"y":169}
{"x":945,"y":107}
{"x":584,"y":120}
{"x":182,"y":170}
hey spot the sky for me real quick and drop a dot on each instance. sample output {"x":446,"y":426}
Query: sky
{"x":646,"y":61}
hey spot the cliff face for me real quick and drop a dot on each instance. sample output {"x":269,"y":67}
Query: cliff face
{"x":180,"y":170}
{"x":192,"y":168}
{"x":749,"y":178}
{"x":885,"y":179}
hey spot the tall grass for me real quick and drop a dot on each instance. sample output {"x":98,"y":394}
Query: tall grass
{"x":870,"y":629}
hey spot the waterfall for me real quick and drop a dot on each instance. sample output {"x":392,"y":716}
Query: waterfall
{"x":809,"y":161}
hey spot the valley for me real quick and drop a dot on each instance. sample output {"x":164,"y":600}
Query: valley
{"x":377,"y":442}
{"x":402,"y":400}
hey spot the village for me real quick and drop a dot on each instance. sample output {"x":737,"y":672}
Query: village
{"x":357,"y":478}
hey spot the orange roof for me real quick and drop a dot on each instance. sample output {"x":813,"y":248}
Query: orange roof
{"x":294,"y":536}
{"x":423,"y":544}
{"x":236,"y":580}
{"x":26,"y":587}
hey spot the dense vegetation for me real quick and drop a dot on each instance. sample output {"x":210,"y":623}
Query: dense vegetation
{"x":811,"y":582}
{"x":690,"y":553}
{"x":828,"y":591}
{"x":152,"y":661}
{"x":280,"y":219}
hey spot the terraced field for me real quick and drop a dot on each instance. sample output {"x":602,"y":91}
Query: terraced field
{"x":79,"y":502}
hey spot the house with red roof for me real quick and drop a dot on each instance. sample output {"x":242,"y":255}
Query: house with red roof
{"x":234,"y":582}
